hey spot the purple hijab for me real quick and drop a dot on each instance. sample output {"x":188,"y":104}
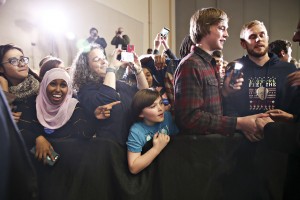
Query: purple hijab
{"x":54,"y":116}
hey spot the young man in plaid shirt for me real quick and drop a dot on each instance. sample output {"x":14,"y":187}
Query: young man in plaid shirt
{"x":198,"y":99}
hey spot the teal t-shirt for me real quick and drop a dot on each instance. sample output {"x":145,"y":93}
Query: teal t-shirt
{"x":141,"y":133}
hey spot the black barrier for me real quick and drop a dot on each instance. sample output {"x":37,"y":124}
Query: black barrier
{"x":190,"y":167}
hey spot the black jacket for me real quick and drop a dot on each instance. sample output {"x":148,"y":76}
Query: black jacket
{"x":18,"y":178}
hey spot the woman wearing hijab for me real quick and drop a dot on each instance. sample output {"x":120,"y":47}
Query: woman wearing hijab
{"x":59,"y":114}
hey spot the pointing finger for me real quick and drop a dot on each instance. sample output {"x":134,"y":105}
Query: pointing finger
{"x":114,"y":103}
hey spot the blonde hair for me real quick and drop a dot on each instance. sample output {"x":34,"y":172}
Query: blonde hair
{"x":248,"y":26}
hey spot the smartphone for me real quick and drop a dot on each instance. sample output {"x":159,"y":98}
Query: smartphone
{"x":130,"y":47}
{"x":48,"y":159}
{"x":127,"y":57}
{"x":164,"y":32}
{"x":236,"y":73}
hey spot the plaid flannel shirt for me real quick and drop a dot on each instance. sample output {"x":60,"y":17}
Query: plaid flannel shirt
{"x":198,"y":104}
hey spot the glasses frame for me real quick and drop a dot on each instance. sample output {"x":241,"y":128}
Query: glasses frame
{"x":22,"y":59}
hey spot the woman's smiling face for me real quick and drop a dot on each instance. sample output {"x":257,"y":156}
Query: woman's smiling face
{"x":57,"y":91}
{"x":14,"y":73}
{"x":97,"y":62}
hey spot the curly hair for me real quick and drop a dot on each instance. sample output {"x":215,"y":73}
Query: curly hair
{"x":80,"y":73}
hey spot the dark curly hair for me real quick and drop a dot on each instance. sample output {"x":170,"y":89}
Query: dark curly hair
{"x":80,"y":71}
{"x":278,"y":45}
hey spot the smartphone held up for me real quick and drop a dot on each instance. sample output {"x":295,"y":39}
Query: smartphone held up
{"x":128,"y":55}
{"x":130,"y":48}
{"x":236,"y":73}
{"x":164,"y":32}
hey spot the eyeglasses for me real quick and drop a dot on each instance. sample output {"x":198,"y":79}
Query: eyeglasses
{"x":15,"y":61}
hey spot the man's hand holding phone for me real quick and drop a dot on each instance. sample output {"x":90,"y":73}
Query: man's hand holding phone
{"x":233,"y":80}
{"x":235,"y":74}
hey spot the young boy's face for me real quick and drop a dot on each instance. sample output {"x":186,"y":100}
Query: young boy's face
{"x":216,"y":38}
{"x":153,"y":113}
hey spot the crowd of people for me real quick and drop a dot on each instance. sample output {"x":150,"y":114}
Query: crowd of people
{"x":158,"y":95}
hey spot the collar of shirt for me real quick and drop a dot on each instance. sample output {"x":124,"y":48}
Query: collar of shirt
{"x":207,"y":57}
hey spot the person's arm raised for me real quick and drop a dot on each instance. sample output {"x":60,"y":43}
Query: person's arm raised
{"x":110,"y":77}
{"x":156,"y":44}
{"x":140,"y":76}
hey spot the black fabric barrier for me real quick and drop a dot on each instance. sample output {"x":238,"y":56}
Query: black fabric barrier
{"x":190,"y":167}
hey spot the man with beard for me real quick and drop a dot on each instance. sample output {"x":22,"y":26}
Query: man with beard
{"x":283,"y":134}
{"x":264,"y":76}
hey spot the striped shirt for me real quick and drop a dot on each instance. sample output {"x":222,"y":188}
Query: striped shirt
{"x":198,"y":103}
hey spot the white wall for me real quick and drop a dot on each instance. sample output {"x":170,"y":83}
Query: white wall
{"x":21,"y":24}
{"x":154,"y":14}
{"x":280,"y":17}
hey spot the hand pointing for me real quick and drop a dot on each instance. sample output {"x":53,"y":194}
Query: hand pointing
{"x":103,"y":112}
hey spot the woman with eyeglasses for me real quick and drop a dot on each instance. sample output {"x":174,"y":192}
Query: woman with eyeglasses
{"x":95,"y":80}
{"x":19,"y":83}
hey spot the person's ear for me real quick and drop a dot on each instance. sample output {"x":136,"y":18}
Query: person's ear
{"x":1,"y":69}
{"x":243,"y":43}
{"x":141,"y":115}
{"x":282,"y":53}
